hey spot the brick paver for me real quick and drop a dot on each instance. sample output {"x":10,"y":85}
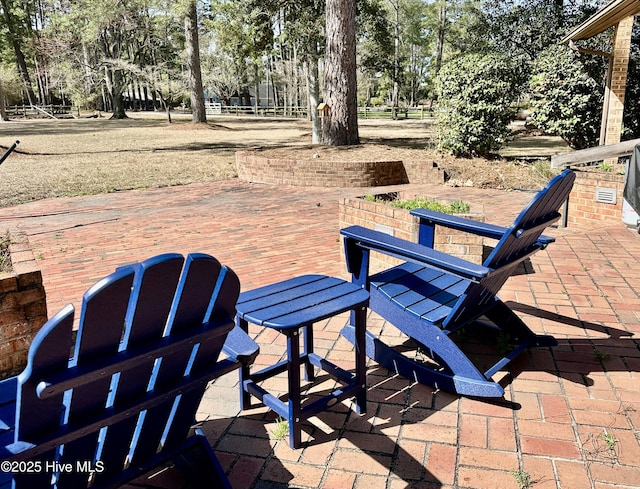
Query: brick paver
{"x":563,"y":404}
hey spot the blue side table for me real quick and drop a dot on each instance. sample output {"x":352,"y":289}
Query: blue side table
{"x":293,"y":306}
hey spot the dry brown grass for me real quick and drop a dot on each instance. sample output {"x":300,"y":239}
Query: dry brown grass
{"x":5,"y":257}
{"x":89,"y":156}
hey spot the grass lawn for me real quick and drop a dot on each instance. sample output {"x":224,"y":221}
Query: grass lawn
{"x":88,"y":156}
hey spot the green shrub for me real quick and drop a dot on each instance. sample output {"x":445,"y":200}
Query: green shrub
{"x":475,"y":103}
{"x":10,"y":85}
{"x":565,"y":100}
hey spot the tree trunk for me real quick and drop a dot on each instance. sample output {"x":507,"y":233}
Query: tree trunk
{"x":442,"y":28}
{"x":340,"y":125}
{"x":256,"y":87}
{"x":558,"y":10}
{"x":117,"y":101}
{"x":88,"y":76}
{"x":17,"y":49}
{"x":396,"y":60}
{"x":154,"y":100}
{"x":314,"y":94}
{"x":3,"y":113}
{"x":115,"y":86}
{"x":295,"y":101}
{"x":273,"y":69}
{"x":198,"y":112}
{"x":139,"y":90}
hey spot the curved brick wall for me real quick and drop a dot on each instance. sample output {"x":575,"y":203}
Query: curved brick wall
{"x":253,"y":168}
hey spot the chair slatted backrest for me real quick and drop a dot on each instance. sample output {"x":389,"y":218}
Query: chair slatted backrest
{"x":518,"y":242}
{"x":146,"y":333}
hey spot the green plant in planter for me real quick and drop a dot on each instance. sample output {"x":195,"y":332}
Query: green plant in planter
{"x":606,"y":167}
{"x":455,"y":207}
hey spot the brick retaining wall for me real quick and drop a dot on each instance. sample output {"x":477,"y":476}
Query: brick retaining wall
{"x":400,"y":223}
{"x":321,"y":173}
{"x":23,"y":306}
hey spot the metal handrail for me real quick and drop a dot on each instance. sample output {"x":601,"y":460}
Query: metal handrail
{"x":9,"y":151}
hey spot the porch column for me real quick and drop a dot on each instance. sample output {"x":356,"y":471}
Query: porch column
{"x":618,"y":78}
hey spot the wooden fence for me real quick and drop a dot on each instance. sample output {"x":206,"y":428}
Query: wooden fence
{"x":51,"y":111}
{"x":55,"y":111}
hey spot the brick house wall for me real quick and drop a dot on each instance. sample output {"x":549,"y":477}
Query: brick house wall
{"x":583,"y":208}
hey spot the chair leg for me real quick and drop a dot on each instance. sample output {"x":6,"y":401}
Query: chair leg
{"x":359,"y":320}
{"x":204,"y":466}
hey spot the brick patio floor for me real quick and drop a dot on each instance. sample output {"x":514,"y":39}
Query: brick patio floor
{"x":571,"y":415}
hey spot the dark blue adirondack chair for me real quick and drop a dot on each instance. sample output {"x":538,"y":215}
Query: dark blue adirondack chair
{"x":433,"y":294}
{"x":120,"y":399}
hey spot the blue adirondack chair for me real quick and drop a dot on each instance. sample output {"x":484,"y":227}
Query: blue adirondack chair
{"x":120,"y":398}
{"x":433,"y":294}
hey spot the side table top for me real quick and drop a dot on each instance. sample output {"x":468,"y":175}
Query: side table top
{"x":299,"y":301}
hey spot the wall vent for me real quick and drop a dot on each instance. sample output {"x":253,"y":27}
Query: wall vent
{"x":606,"y":195}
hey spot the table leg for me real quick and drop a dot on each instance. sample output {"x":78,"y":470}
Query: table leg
{"x":295,"y":398}
{"x":309,"y":371}
{"x":244,"y":371}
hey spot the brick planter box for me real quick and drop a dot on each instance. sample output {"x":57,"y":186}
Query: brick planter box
{"x":321,"y":173}
{"x":583,"y":208}
{"x":23,"y":307}
{"x":400,"y":223}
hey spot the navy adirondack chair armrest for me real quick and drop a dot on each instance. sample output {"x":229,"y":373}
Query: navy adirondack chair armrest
{"x":428,"y":220}
{"x":240,"y":347}
{"x":358,"y":239}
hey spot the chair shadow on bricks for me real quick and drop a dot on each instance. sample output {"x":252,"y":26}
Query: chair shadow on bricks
{"x":340,"y":441}
{"x":586,"y":347}
{"x":409,"y":431}
{"x":245,"y":452}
